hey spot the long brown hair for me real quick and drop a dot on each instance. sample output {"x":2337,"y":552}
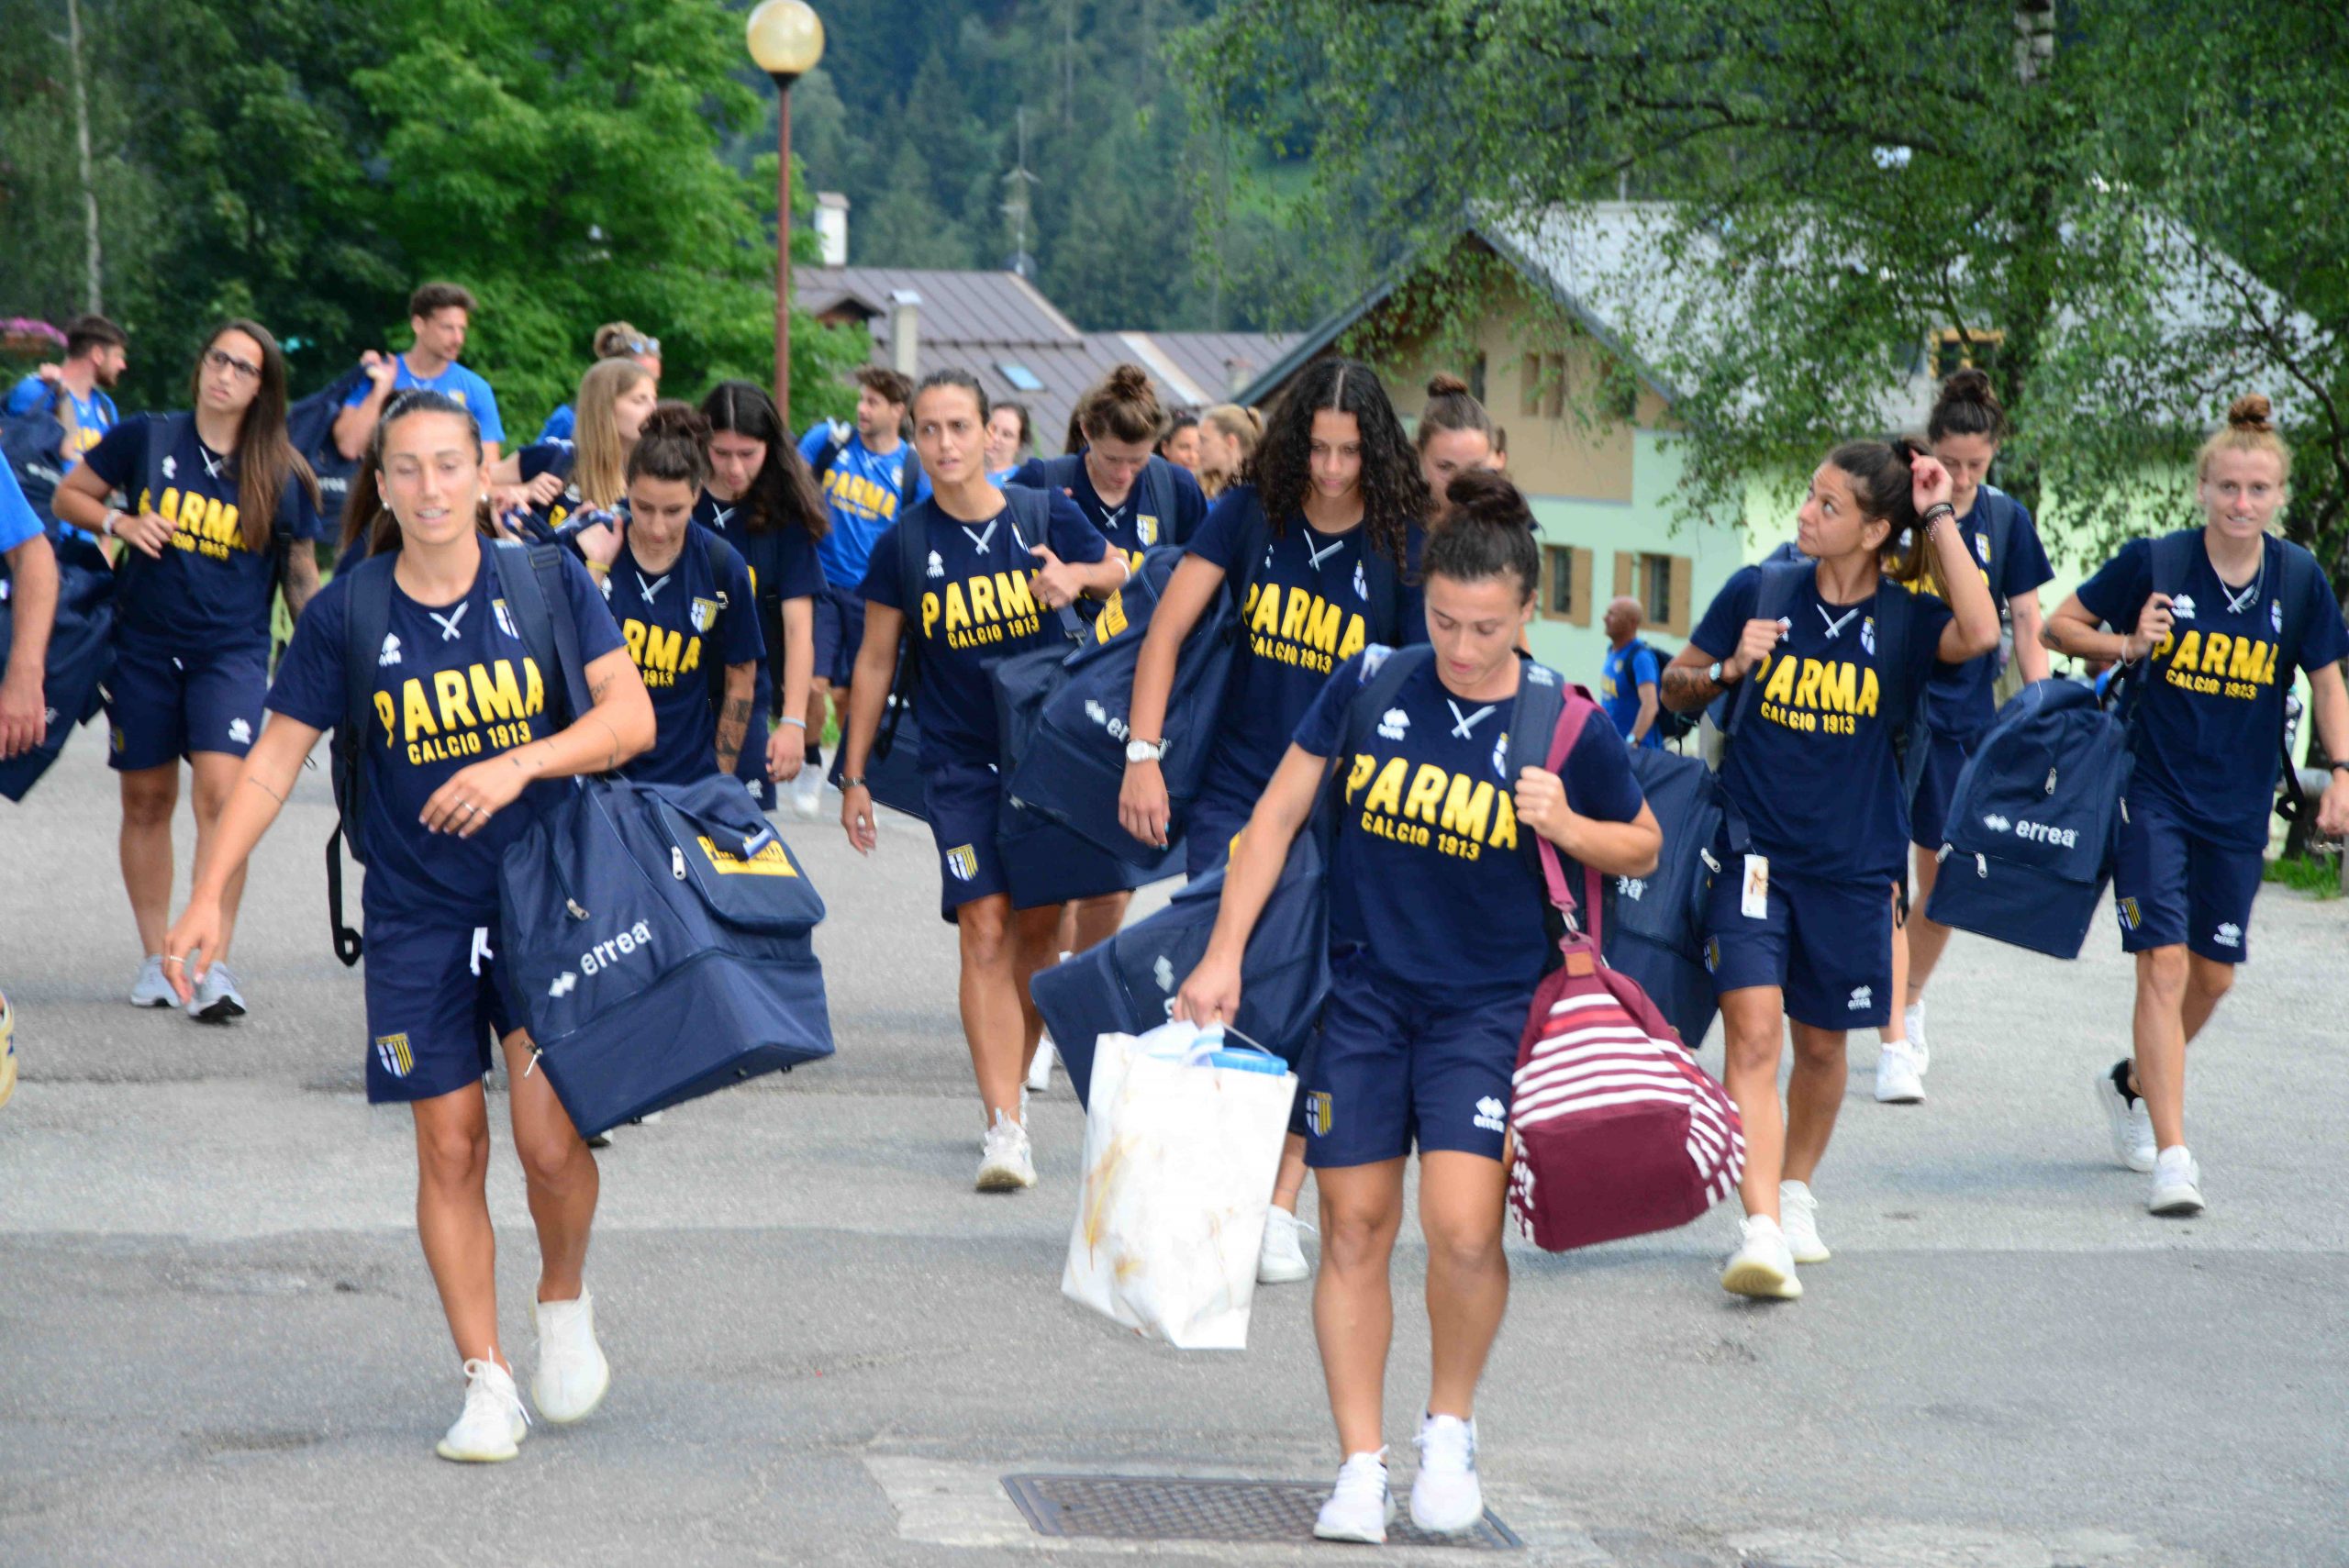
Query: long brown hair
{"x":265,"y":456}
{"x":599,"y":465}
{"x":783,"y":492}
{"x":1879,"y":473}
{"x":364,"y":512}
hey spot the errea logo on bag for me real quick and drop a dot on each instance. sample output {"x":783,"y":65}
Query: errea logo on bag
{"x":2037,"y":832}
{"x":604,"y":954}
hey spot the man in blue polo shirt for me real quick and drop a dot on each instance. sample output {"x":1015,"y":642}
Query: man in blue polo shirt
{"x":440,"y":314}
{"x":1627,"y":681}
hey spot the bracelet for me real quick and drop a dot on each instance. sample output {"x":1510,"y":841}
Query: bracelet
{"x":2338,"y":765}
{"x":1936,"y":512}
{"x":599,"y":568}
{"x":852,"y":781}
{"x":801,"y":722}
{"x":105,"y":524}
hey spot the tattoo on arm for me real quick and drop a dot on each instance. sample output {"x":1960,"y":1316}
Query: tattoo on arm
{"x":301,"y":582}
{"x":596,"y":690}
{"x":1684,"y":689}
{"x":731,"y":725}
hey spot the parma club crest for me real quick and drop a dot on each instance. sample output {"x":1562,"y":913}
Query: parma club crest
{"x":1146,"y":528}
{"x":704,"y":615}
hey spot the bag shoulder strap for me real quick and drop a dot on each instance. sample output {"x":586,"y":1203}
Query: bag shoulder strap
{"x":164,"y":432}
{"x":1385,"y":580}
{"x":367,"y":618}
{"x":2174,"y":560}
{"x":1377,"y":693}
{"x":1575,"y":711}
{"x":913,"y":553}
{"x":2296,"y":578}
{"x":1060,"y":473}
{"x":2001,"y":523}
{"x":829,"y":452}
{"x":1774,"y":599}
{"x":1159,"y":475}
{"x":720,"y":556}
{"x":529,"y":579}
{"x":1896,"y":617}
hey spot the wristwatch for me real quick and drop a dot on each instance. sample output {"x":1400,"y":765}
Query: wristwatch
{"x":1713,"y":674}
{"x":852,"y":781}
{"x":1145,"y":751}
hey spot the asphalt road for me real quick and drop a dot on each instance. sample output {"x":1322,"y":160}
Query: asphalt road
{"x":219,"y":1342}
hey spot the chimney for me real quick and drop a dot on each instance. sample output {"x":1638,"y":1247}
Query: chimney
{"x":1237,"y":375}
{"x":831,"y":229}
{"x":905,"y":331}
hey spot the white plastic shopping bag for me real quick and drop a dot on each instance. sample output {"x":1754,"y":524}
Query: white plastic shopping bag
{"x":1182,"y":1142}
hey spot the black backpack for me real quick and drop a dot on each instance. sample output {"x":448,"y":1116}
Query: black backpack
{"x":1669,"y":723}
{"x":34,"y":445}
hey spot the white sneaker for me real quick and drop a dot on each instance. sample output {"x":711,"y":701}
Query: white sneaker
{"x":217,"y":998}
{"x":1282,"y":1259}
{"x":2177,"y":1184}
{"x":1007,"y":1162}
{"x":2131,"y":1125}
{"x":1361,"y":1508}
{"x":1762,"y":1265}
{"x":152,"y":990}
{"x":805,"y":794}
{"x":493,"y":1424}
{"x":1798,"y":1222}
{"x":1445,"y":1496}
{"x":1900,"y":1076}
{"x":1912,"y":1023}
{"x":573,"y":1375}
{"x":1040,"y":1072}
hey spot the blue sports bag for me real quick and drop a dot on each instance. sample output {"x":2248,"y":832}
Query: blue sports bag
{"x":81,"y":656}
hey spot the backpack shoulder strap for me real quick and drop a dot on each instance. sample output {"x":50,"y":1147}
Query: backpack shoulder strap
{"x":366,"y":621}
{"x":1895,"y":615}
{"x":1031,"y":511}
{"x":529,"y":579}
{"x":1396,"y":665}
{"x":2174,"y":560}
{"x":162,"y":435}
{"x":2296,"y":579}
{"x":1550,"y":719}
{"x":829,"y":452}
{"x":2001,"y":522}
{"x":1774,"y":599}
{"x":908,"y":478}
{"x":720,"y":557}
{"x":1060,"y":473}
{"x":1385,"y":580}
{"x":1159,"y":475}
{"x":913,"y":554}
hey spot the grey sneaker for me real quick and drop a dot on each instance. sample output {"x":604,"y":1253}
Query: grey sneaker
{"x":152,"y":989}
{"x":217,"y":997}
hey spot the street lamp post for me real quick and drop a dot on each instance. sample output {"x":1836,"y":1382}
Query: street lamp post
{"x":786,"y":38}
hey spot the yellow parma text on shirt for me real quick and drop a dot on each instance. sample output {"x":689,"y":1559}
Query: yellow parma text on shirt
{"x":2216,"y":665}
{"x":1298,"y":626}
{"x":480,"y":709}
{"x":662,"y":656}
{"x":1814,"y":696}
{"x":1431,"y":806}
{"x":855,"y":493}
{"x":987,"y":608}
{"x":203,"y":523}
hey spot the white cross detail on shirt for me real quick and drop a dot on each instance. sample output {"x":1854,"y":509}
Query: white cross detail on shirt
{"x":979,"y":541}
{"x":649,"y":589}
{"x":448,"y":623}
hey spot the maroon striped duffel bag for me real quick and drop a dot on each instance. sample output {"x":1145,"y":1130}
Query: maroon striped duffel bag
{"x":1619,"y":1131}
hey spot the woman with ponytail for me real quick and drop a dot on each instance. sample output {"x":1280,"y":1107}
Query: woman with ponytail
{"x":556,"y":480}
{"x":761,"y":498}
{"x":223,"y":513}
{"x":1455,"y":434}
{"x":2218,"y":618}
{"x":449,"y":783}
{"x":1437,"y":943}
{"x":1229,"y":436}
{"x":1964,"y":431}
{"x":1115,"y":473}
{"x":1319,"y":550}
{"x":686,"y":606}
{"x":1799,"y":928}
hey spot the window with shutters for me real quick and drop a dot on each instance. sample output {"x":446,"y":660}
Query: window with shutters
{"x":1661,"y":584}
{"x":1565,"y":583}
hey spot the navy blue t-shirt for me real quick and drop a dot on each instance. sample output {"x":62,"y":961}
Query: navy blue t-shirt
{"x":1126,"y":526}
{"x":783,"y":565}
{"x":973,"y":607}
{"x":2205,"y":729}
{"x":1621,"y":677}
{"x":552,"y":456}
{"x":452,"y":685}
{"x":1811,"y":767}
{"x":1305,"y":609}
{"x":1429,"y":873}
{"x":678,"y":624}
{"x":208,"y":591}
{"x":1963,"y":699}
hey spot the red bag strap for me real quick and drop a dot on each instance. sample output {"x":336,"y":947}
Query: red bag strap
{"x":1581,"y":709}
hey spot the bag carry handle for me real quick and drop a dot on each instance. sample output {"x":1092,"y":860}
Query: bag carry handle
{"x":1579,"y":711}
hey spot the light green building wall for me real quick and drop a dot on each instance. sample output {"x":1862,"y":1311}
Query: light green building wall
{"x":1643,"y":525}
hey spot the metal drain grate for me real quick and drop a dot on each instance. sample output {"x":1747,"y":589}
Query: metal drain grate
{"x":1174,"y":1508}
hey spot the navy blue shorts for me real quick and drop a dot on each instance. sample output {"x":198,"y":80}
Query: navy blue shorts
{"x":1827,"y":944}
{"x":160,"y":706}
{"x":2170,"y":884}
{"x":840,"y":632}
{"x":1929,"y":811}
{"x":438,"y":1003}
{"x":1395,"y":1067}
{"x":964,"y":804}
{"x":1208,"y":828}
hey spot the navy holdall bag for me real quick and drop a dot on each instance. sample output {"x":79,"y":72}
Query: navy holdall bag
{"x":81,"y":657}
{"x":657,"y":936}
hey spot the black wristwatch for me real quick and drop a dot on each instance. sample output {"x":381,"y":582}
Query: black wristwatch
{"x":2340,"y":765}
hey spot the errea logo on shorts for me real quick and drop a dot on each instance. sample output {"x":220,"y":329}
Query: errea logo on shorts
{"x":1491,"y":1114}
{"x":1631,"y":887}
{"x":1862,"y":999}
{"x":2228,"y":935}
{"x":604,"y":954}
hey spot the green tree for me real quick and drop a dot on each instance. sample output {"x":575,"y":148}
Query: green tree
{"x":1839,"y":181}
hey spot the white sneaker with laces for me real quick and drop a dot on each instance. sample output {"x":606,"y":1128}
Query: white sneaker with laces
{"x":1361,"y":1508}
{"x":1762,"y":1265}
{"x":805,"y":794}
{"x":573,"y":1375}
{"x":2131,"y":1124}
{"x":1445,"y":1495}
{"x":217,"y":998}
{"x":493,"y":1425}
{"x":1912,"y":1023}
{"x":1798,"y":1222}
{"x":1281,"y":1261}
{"x":1007,"y":1160}
{"x":2177,"y":1184}
{"x":150,"y":989}
{"x":1040,"y":1072}
{"x":1900,"y":1076}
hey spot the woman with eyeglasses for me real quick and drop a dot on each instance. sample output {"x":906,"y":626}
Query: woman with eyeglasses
{"x":223,"y":511}
{"x":614,"y":340}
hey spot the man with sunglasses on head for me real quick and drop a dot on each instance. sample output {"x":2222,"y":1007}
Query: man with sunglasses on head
{"x":440,"y":314}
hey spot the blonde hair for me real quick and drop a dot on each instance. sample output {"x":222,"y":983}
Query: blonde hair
{"x":599,"y":467}
{"x":2250,"y":427}
{"x":1233,"y":423}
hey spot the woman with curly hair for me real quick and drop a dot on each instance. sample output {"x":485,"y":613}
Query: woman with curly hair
{"x":1318,"y":548}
